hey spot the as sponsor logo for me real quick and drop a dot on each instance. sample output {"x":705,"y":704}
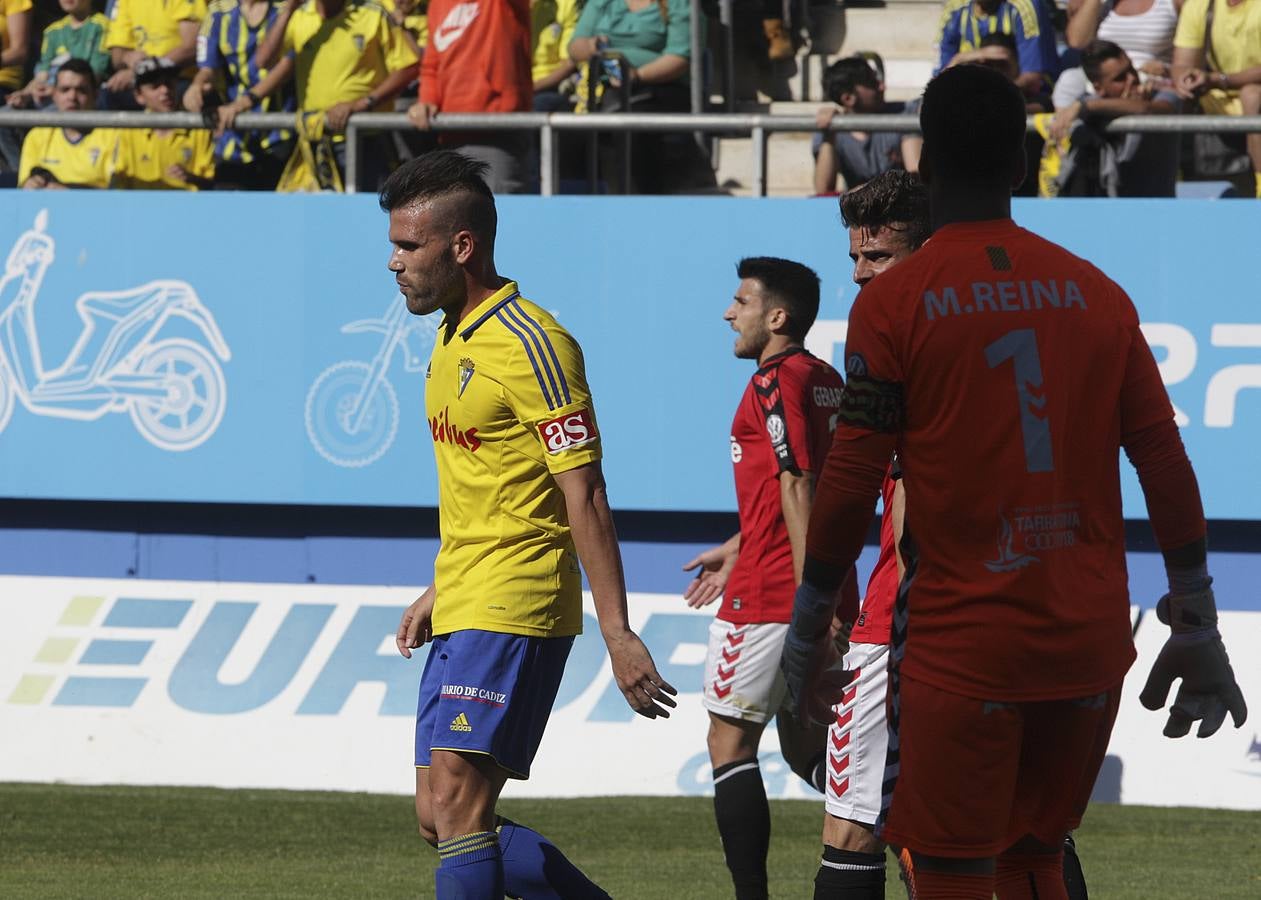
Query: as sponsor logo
{"x":568,"y":431}
{"x":461,"y":723}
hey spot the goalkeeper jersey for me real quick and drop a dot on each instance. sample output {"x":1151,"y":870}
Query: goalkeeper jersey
{"x":508,"y":406}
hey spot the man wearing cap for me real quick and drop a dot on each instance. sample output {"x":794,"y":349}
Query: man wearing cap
{"x":163,"y":158}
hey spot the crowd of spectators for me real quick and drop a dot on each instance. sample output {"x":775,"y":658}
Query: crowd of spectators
{"x":325,"y":61}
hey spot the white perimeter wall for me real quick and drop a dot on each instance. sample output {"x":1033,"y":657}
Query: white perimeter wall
{"x":299,"y":686}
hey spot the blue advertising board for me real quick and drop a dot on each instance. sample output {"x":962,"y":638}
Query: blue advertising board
{"x":252,"y":348}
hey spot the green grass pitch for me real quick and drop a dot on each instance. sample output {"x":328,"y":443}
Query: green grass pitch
{"x":60,"y":841}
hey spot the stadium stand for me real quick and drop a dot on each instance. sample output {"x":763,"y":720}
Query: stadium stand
{"x":741,"y":57}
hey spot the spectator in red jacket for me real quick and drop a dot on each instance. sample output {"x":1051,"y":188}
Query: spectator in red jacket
{"x":478,"y":60}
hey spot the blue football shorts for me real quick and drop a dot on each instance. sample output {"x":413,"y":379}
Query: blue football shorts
{"x":489,"y":693}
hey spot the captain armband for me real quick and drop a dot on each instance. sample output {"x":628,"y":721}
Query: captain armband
{"x":872,"y":404}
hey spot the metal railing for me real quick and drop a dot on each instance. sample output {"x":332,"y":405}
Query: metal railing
{"x":758,"y":126}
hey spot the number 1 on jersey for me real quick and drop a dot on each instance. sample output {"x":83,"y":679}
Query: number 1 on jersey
{"x":1021,"y":347}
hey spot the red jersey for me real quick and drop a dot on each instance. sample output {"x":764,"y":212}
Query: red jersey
{"x":876,"y":612}
{"x":478,"y":56}
{"x":783,"y":424}
{"x":1010,"y":371}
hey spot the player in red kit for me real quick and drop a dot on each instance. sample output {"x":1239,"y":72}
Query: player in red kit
{"x":1007,"y":374}
{"x":779,"y":437}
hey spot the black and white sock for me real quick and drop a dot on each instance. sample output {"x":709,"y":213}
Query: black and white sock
{"x":744,"y":823}
{"x":849,"y":875}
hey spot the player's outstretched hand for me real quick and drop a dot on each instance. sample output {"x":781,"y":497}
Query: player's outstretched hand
{"x":1208,"y":690}
{"x":643,"y":687}
{"x":715,"y":568}
{"x":416,"y":627}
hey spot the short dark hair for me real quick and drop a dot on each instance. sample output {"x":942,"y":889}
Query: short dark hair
{"x":896,"y":200}
{"x":1000,"y":39}
{"x":444,"y":173}
{"x":973,"y":122}
{"x":846,"y":74}
{"x":1095,"y":55}
{"x":790,"y":286}
{"x":77,"y":66}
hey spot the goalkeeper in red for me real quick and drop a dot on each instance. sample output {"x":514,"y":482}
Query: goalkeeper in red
{"x":1007,"y":374}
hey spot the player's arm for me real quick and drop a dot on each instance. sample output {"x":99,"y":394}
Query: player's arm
{"x":897,"y":511}
{"x":1194,"y":652}
{"x":591,"y":524}
{"x":277,"y":38}
{"x":715,"y":567}
{"x":796,"y":496}
{"x":868,"y":423}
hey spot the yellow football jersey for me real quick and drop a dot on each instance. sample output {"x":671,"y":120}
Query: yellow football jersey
{"x":88,"y":162}
{"x":508,"y":406}
{"x":11,"y":76}
{"x":145,"y":155}
{"x":152,"y":26}
{"x":345,"y":57}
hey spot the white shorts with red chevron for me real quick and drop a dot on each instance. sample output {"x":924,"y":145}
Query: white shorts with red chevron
{"x":858,"y":738}
{"x":742,"y":677}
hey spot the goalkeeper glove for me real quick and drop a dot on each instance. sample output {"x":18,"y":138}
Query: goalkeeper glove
{"x":1194,"y":653}
{"x":808,"y":652}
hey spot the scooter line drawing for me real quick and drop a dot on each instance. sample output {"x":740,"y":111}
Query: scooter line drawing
{"x":122,"y":361}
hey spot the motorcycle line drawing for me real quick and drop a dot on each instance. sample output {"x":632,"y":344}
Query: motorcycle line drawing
{"x":351,"y":407}
{"x":124,"y":360}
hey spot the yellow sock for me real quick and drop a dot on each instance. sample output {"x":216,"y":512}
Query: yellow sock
{"x":1257,"y":176}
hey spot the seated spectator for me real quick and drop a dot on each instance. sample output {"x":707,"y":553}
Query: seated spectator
{"x":852,"y":86}
{"x":15,"y":35}
{"x":348,"y":58}
{"x":1144,"y":29}
{"x":69,"y":157}
{"x":162,"y":158}
{"x":251,"y":160}
{"x":997,"y":50}
{"x":654,"y":41}
{"x":478,"y":61}
{"x":779,"y":42}
{"x":80,"y":34}
{"x":162,"y":29}
{"x":965,"y":22}
{"x":552,"y":25}
{"x":1146,"y":165}
{"x":1220,"y":65}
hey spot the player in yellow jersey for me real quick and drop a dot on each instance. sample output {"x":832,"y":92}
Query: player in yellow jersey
{"x":158,"y":159}
{"x":521,"y":500}
{"x":67,"y":157}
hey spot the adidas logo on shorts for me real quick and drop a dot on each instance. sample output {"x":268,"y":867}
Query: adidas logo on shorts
{"x":460,"y":723}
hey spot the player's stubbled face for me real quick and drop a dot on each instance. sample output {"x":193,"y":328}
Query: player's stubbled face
{"x":747,"y":317}
{"x":423,"y":261}
{"x":874,"y":252}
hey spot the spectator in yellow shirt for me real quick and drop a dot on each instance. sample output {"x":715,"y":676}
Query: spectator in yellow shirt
{"x":139,"y":29}
{"x":15,"y":34}
{"x":1220,"y":65}
{"x":349,"y":58}
{"x":163,"y":158}
{"x":69,"y":157}
{"x":552,"y":24}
